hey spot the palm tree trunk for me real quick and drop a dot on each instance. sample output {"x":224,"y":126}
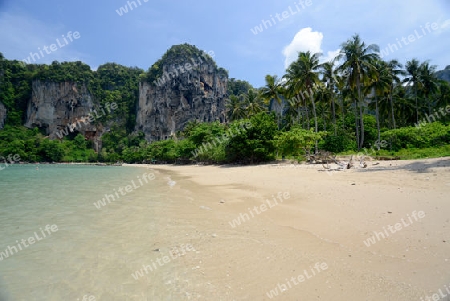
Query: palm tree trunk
{"x":417,"y":104}
{"x":334,"y":114}
{"x":392,"y":106}
{"x":278,"y":121}
{"x":361,"y":113}
{"x":356,"y":123}
{"x":308,"y":122}
{"x":316,"y":126}
{"x":306,"y":112}
{"x":378,"y":118}
{"x":429,"y":106}
{"x":343,"y":113}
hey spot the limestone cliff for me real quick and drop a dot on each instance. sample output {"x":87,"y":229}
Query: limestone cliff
{"x":53,"y":106}
{"x":2,"y":115}
{"x":444,"y":74}
{"x":185,"y":85}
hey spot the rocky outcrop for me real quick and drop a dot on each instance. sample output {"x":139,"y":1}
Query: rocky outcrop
{"x":189,"y":87}
{"x":444,"y":74}
{"x":55,"y":106}
{"x":2,"y":115}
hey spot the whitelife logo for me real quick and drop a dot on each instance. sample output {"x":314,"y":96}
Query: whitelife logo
{"x":281,"y":288}
{"x":398,"y":226}
{"x":405,"y":41}
{"x":244,"y":217}
{"x":128,"y":188}
{"x":265,"y":24}
{"x":174,"y":254}
{"x":435,"y":116}
{"x":124,"y":9}
{"x":180,"y":69}
{"x":11,"y":250}
{"x":77,"y":124}
{"x":437,"y":296}
{"x":225,"y":138}
{"x":12,"y":159}
{"x":52,"y":48}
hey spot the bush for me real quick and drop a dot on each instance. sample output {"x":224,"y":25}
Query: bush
{"x":162,"y":151}
{"x":298,"y":141}
{"x":338,"y":144}
{"x":253,"y":142}
{"x":431,"y":135}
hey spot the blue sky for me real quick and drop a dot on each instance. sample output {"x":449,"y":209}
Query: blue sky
{"x":142,"y":35}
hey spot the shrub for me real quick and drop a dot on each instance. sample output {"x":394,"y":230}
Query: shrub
{"x":431,"y":135}
{"x":254,"y":142}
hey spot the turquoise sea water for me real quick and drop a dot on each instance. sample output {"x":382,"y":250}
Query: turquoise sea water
{"x":94,"y":251}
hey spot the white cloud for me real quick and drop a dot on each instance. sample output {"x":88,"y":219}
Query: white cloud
{"x":331,"y":55}
{"x":305,"y":40}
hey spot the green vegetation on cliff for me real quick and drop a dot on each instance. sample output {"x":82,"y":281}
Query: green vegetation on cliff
{"x":342,"y":106}
{"x":179,"y":56}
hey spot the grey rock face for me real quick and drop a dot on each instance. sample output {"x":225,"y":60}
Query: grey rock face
{"x":179,"y":96}
{"x":54,"y":106}
{"x":2,"y":115}
{"x":444,"y":74}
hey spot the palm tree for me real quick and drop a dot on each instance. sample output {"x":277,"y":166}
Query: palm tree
{"x":271,"y":91}
{"x":429,"y":82}
{"x":295,"y":91}
{"x":330,"y":77}
{"x":294,"y":109}
{"x":443,"y":98}
{"x":324,"y":102}
{"x":404,"y":108}
{"x":380,"y":85}
{"x":343,"y":92}
{"x":302,"y":75}
{"x":413,"y":71}
{"x":395,"y":70}
{"x":253,"y":103}
{"x":235,"y":109}
{"x":358,"y":64}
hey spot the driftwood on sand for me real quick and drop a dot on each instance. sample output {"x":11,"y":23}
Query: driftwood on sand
{"x":326,"y":158}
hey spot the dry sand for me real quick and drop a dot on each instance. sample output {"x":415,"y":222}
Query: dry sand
{"x":325,"y":221}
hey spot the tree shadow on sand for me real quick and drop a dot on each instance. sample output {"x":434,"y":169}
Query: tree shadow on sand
{"x":419,"y":166}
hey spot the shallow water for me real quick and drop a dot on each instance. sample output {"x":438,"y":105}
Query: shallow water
{"x":94,"y":251}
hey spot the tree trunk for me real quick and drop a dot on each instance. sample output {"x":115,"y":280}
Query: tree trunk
{"x":392,"y":106}
{"x":429,"y":106}
{"x":334,"y":113}
{"x":308,"y":122}
{"x":316,"y":127}
{"x":356,"y":124}
{"x":378,"y":118}
{"x":361,"y":113}
{"x":417,"y":104}
{"x":343,"y":114}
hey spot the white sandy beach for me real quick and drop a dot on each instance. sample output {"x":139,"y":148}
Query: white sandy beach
{"x":285,"y":245}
